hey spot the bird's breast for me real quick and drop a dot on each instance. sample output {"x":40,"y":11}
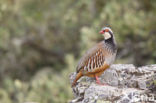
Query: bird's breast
{"x":109,"y":59}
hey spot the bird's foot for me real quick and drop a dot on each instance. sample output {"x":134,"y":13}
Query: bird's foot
{"x":99,"y":83}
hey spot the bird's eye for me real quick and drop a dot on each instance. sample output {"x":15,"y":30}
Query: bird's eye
{"x":106,"y":30}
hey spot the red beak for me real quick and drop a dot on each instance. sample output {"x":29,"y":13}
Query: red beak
{"x":101,"y":32}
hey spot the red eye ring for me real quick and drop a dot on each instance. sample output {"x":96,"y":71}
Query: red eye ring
{"x":103,"y":31}
{"x":106,"y":30}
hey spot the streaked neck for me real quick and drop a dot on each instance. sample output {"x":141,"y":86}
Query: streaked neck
{"x":111,"y":43}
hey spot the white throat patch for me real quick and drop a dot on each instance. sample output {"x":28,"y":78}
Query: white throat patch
{"x":107,"y":35}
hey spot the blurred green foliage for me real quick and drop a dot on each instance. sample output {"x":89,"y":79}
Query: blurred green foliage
{"x":42,"y":40}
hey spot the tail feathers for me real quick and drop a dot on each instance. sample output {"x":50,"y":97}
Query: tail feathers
{"x":78,"y":76}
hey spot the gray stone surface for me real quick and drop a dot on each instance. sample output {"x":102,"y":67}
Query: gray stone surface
{"x":125,"y":84}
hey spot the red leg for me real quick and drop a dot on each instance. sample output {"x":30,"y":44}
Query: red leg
{"x":98,"y":81}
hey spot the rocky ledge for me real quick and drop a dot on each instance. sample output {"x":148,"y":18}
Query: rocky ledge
{"x":125,"y":83}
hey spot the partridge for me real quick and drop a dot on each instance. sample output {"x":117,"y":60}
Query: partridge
{"x":97,"y":59}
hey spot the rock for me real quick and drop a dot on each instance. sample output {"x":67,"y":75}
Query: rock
{"x":125,"y":84}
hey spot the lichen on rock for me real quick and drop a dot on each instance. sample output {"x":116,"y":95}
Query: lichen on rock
{"x":125,"y":84}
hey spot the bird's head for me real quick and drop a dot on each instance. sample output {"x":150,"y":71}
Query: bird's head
{"x":107,"y":33}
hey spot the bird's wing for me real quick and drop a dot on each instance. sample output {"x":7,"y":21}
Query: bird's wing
{"x":94,"y":58}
